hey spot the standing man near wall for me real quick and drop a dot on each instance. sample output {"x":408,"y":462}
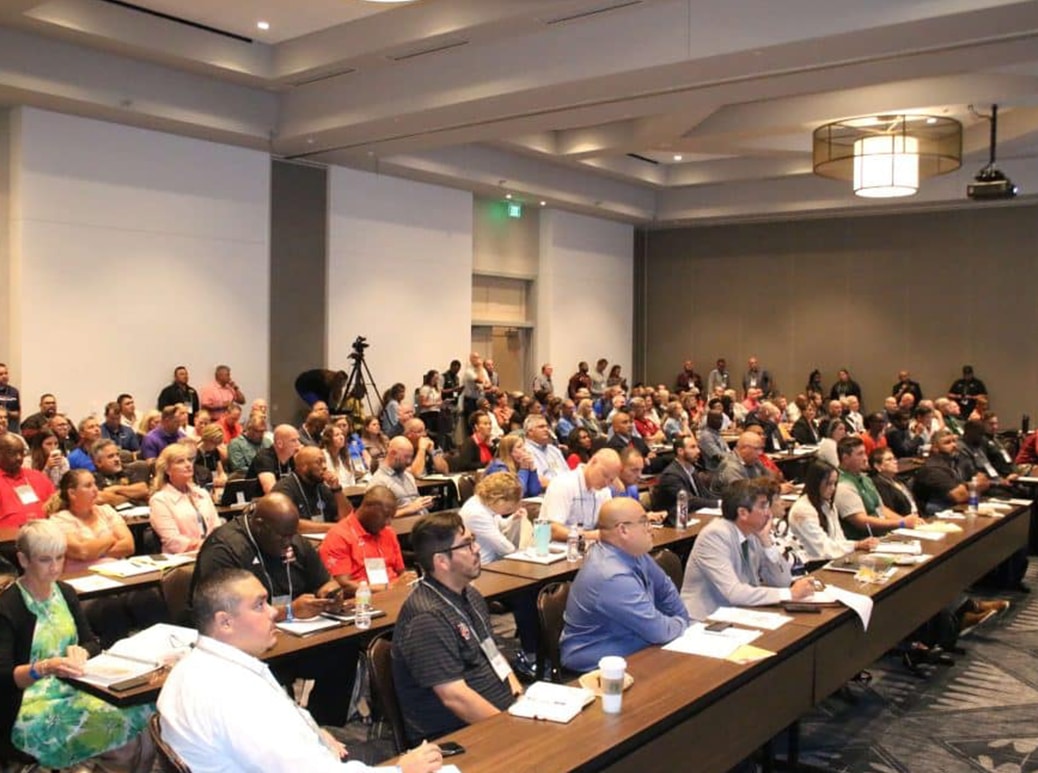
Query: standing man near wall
{"x":10,"y":399}
{"x":180,"y":392}
{"x":218,"y":396}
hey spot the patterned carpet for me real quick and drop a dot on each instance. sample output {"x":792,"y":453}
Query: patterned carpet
{"x":979,"y":715}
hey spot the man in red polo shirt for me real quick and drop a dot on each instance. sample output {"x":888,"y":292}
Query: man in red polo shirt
{"x":363,"y":547}
{"x":22,"y":491}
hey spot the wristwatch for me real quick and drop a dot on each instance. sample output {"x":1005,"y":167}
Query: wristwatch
{"x":36,"y":675}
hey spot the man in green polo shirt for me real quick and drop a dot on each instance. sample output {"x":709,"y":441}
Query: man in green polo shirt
{"x":857,"y":501}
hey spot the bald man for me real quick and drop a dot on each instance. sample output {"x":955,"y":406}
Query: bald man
{"x":266,"y":542}
{"x":315,"y":490}
{"x":744,"y":464}
{"x":272,"y":464}
{"x":395,"y":474}
{"x":621,"y":601}
{"x":575,"y":497}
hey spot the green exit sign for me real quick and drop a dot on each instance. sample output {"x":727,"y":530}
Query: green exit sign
{"x":515,"y":209}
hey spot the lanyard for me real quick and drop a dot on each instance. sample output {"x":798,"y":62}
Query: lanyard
{"x":263,"y":564}
{"x":452,"y":605}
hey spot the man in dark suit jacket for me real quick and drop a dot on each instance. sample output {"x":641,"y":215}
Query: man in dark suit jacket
{"x":623,"y":436}
{"x":681,"y":475}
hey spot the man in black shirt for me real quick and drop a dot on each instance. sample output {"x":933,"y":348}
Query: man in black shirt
{"x":966,"y":390}
{"x":904,"y":385}
{"x":272,"y":464}
{"x":315,"y":491}
{"x":115,"y":484}
{"x":446,"y":667}
{"x":941,"y":482}
{"x":266,"y":542}
{"x":180,"y":392}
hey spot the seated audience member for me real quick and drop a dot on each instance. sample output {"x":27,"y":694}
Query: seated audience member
{"x":681,"y":475}
{"x":45,"y":455}
{"x":314,"y":490}
{"x":230,"y":423}
{"x":128,"y":410}
{"x":363,"y":547}
{"x":494,"y":516}
{"x":311,"y":429}
{"x":475,"y":452}
{"x":733,"y":560}
{"x":270,"y":465}
{"x":547,"y":457}
{"x":395,"y":473}
{"x":713,"y":448}
{"x":942,"y":481}
{"x":94,"y":532}
{"x":375,"y":442}
{"x":890,"y":407}
{"x":892,"y":492}
{"x":428,"y":459}
{"x":202,"y":420}
{"x":22,"y":490}
{"x":767,"y":417}
{"x":265,"y":541}
{"x":503,"y":411}
{"x":805,"y":430}
{"x":985,"y":459}
{"x":904,"y":439}
{"x":744,"y":464}
{"x":167,"y":433}
{"x":624,"y":436}
{"x":576,"y":496}
{"x":180,"y":391}
{"x":221,"y":394}
{"x":675,"y":425}
{"x":62,"y":429}
{"x":37,"y":421}
{"x":648,"y":429}
{"x":149,"y":421}
{"x":996,"y":450}
{"x":441,"y":665}
{"x":835,"y":431}
{"x":182,"y":514}
{"x":89,"y":433}
{"x":114,"y":429}
{"x":587,"y":419}
{"x":873,"y":437}
{"x":209,"y":464}
{"x":336,"y":458}
{"x":513,"y":456}
{"x":813,"y":521}
{"x":116,"y":485}
{"x":626,"y":484}
{"x":853,"y":414}
{"x":858,"y":503}
{"x":621,"y":601}
{"x":252,"y":724}
{"x":391,"y":402}
{"x":243,"y":449}
{"x":950,"y":414}
{"x":567,"y":419}
{"x":45,"y":638}
{"x":580,"y":446}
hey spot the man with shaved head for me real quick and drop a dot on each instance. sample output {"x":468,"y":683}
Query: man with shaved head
{"x":621,"y":601}
{"x":272,"y":464}
{"x":266,"y":542}
{"x":22,"y":490}
{"x":362,"y":546}
{"x":396,"y":475}
{"x":575,"y":497}
{"x":315,"y":491}
{"x":744,"y":464}
{"x":428,"y":459}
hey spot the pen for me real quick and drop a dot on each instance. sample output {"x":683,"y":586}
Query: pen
{"x":868,"y":527}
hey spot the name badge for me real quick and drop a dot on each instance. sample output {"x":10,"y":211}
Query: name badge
{"x":990,"y":468}
{"x":26,"y":494}
{"x":376,"y":570}
{"x":1005,"y":455}
{"x":497,"y":660}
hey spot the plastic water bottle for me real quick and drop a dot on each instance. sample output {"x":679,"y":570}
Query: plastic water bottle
{"x":573,"y":545}
{"x":356,"y":449}
{"x":681,"y":510}
{"x":971,"y":506}
{"x":362,"y":606}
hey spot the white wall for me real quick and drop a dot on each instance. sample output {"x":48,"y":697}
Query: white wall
{"x":138,"y":251}
{"x":399,"y":273}
{"x":584,"y":293}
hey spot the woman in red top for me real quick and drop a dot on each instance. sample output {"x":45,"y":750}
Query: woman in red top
{"x":475,"y":453}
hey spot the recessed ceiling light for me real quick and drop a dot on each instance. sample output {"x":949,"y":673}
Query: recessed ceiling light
{"x":678,"y":156}
{"x":263,"y":25}
{"x":544,"y":203}
{"x":931,"y":120}
{"x":508,"y":195}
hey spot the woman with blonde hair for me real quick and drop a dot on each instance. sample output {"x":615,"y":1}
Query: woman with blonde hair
{"x":149,"y":421}
{"x":514,"y":457}
{"x":182,"y":514}
{"x":494,"y":516}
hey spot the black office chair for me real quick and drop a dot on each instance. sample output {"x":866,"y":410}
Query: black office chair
{"x":383,"y":693}
{"x":466,"y":487}
{"x":551,"y":604}
{"x":169,"y":761}
{"x":670,"y":564}
{"x":176,"y":587}
{"x":248,"y":487}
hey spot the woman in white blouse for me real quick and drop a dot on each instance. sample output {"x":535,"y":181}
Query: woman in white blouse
{"x":814,"y":522}
{"x":182,"y":514}
{"x":494,"y":517}
{"x":333,"y":442}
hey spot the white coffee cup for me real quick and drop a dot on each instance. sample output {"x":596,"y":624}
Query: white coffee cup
{"x":611,"y":676}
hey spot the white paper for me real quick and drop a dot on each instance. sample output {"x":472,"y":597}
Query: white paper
{"x":141,"y":511}
{"x":860,"y":603}
{"x":951,"y":515}
{"x":1020,"y":502}
{"x":750,"y":618}
{"x":126,"y":567}
{"x":106,"y":669}
{"x":556,"y":552}
{"x":696,"y":640}
{"x":1027,"y":479}
{"x":160,"y":643}
{"x":307,"y":626}
{"x":819,"y":597}
{"x":709,"y":511}
{"x":933,"y":536}
{"x":912,"y":548}
{"x":93,"y":583}
{"x":553,"y":702}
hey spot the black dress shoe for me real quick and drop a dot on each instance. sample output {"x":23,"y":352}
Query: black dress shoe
{"x":939,"y":657}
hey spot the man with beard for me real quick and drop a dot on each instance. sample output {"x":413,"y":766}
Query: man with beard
{"x":395,"y":474}
{"x":314,"y":490}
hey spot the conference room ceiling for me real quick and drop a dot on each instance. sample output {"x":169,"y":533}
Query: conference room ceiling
{"x":584,"y":104}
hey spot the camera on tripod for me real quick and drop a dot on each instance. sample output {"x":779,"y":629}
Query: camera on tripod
{"x":360,"y":343}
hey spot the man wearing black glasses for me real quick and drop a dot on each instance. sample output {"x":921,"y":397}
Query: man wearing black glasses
{"x":447,"y":668}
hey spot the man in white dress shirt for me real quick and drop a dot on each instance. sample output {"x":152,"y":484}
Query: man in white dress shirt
{"x":221,"y":708}
{"x":576,"y":496}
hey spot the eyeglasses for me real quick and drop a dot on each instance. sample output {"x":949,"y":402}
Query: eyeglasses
{"x":469,"y":543}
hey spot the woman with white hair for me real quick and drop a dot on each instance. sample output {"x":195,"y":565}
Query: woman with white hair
{"x":44,"y":637}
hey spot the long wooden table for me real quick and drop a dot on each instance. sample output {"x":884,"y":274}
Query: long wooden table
{"x":685,"y":711}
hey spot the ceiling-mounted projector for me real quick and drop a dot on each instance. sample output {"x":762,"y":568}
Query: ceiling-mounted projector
{"x":991,"y":184}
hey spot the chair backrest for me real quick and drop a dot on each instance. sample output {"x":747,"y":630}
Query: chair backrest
{"x":176,"y":586}
{"x":551,"y":604}
{"x":671,"y":565}
{"x":466,"y":488}
{"x":169,"y":760}
{"x":249,"y":487}
{"x":382,"y":689}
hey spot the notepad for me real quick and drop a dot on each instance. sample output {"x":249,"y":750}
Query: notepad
{"x":159,"y":643}
{"x":750,"y":617}
{"x":307,"y":626}
{"x":553,"y":702}
{"x":108,"y":668}
{"x":933,"y":536}
{"x":708,"y":511}
{"x":93,"y":583}
{"x":696,"y":640}
{"x":557,"y":552}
